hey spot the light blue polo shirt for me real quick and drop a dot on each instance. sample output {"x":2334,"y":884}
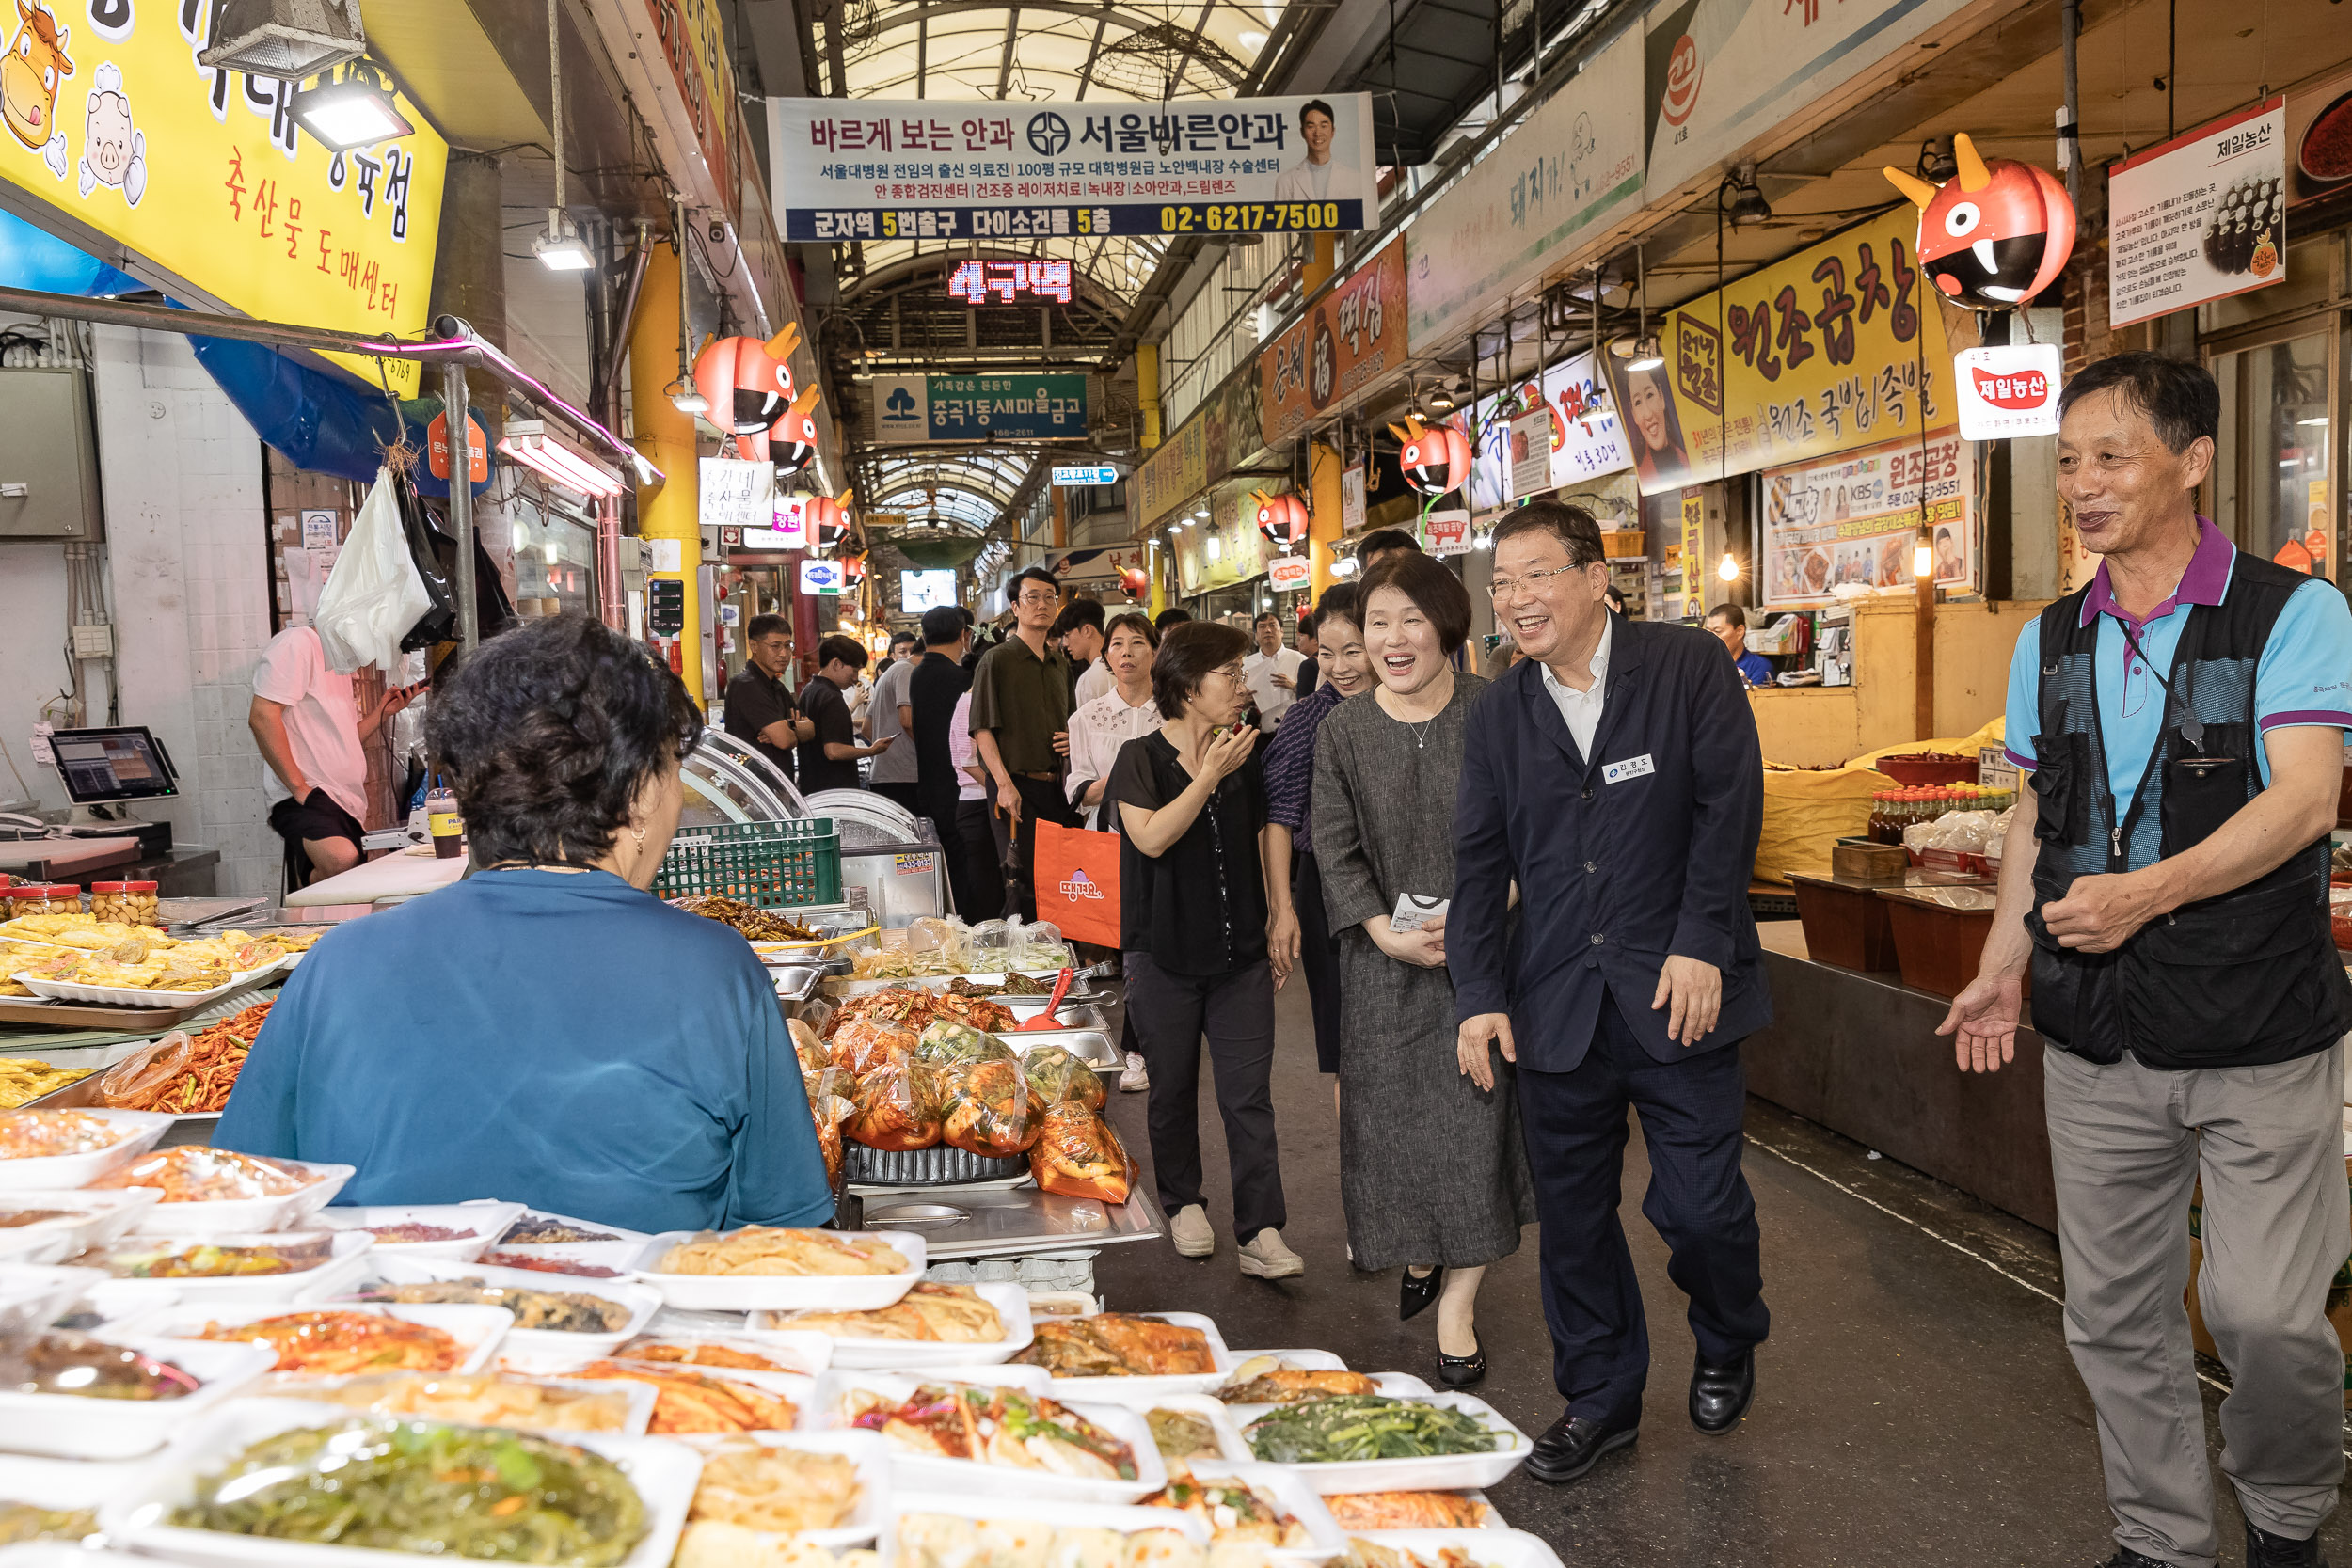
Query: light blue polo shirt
{"x":2304,"y":676}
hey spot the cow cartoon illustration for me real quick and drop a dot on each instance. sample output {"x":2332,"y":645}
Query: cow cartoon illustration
{"x":29,"y":73}
{"x":114,"y":152}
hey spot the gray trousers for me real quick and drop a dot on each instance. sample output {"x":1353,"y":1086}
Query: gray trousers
{"x":2127,"y":1143}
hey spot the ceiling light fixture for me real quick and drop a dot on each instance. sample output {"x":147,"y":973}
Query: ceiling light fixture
{"x":1441,"y":399}
{"x":531,"y":444}
{"x":559,"y":246}
{"x":1647,"y":354}
{"x":1748,"y":206}
{"x":359,"y":110}
{"x":1937,"y":161}
{"x":289,"y":40}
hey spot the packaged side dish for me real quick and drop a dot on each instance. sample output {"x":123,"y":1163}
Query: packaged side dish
{"x":206,"y":1190}
{"x":72,"y":1149}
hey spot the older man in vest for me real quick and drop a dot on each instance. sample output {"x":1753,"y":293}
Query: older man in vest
{"x":2166,"y":879}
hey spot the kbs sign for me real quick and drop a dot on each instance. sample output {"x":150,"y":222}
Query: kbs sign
{"x":2009,"y":391}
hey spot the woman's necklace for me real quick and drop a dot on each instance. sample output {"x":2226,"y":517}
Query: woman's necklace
{"x":1421,"y":732}
{"x":1421,"y":735}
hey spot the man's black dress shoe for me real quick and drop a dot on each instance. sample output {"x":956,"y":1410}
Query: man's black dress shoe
{"x":1573,"y":1445}
{"x":1413,"y":1296}
{"x":2266,"y":1550}
{"x":1719,"y":1395}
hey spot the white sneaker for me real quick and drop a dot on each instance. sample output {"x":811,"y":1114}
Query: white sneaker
{"x":1134,"y":1080}
{"x":1266,"y":1257}
{"x":1191,"y":1231}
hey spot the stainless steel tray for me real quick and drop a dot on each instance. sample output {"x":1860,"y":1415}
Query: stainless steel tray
{"x":940,"y":1165}
{"x":965,"y":1222}
{"x":1097,"y":1048}
{"x":844,"y":985}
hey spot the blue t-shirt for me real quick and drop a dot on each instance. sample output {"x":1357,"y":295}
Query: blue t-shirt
{"x":558,"y":1038}
{"x":2304,"y":676}
{"x":1754,"y":669}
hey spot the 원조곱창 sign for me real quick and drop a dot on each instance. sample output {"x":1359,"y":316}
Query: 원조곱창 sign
{"x":928,"y":169}
{"x":1851,"y":520}
{"x":2200,"y":218}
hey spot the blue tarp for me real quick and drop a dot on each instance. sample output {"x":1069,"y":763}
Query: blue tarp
{"x":33,"y":258}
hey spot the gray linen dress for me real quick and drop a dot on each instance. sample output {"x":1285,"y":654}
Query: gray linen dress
{"x":1432,"y":1170}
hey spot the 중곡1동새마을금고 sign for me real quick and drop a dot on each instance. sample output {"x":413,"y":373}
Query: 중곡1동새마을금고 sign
{"x":200,"y":182}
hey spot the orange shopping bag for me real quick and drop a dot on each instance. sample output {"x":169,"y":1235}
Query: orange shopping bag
{"x":1077,"y":883}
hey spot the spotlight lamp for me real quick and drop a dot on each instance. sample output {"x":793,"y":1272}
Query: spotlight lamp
{"x":359,"y":109}
{"x":559,"y":245}
{"x":1748,"y":206}
{"x":685,"y":399}
{"x":1647,"y":353}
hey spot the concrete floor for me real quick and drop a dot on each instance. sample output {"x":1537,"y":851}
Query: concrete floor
{"x":1916,"y":1405}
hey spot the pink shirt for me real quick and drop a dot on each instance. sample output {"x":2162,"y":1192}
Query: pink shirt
{"x":960,"y":750}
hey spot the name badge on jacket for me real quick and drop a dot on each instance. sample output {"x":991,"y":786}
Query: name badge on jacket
{"x":1631,"y":768}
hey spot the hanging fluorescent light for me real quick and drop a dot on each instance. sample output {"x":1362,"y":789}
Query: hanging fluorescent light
{"x":285,"y":39}
{"x":359,"y":110}
{"x":559,"y":245}
{"x":529,"y":443}
{"x":685,"y":399}
{"x":1647,"y":353}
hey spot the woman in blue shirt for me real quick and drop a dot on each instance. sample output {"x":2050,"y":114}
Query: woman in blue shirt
{"x":545,"y":1030}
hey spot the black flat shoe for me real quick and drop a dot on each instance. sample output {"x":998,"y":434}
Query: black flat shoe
{"x":1719,"y":1395}
{"x":1462,"y":1372}
{"x":2266,"y":1550}
{"x":1572,"y":1445}
{"x":1413,"y":1296}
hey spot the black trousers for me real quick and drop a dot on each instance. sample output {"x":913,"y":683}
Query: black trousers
{"x":1699,"y":1200}
{"x":907,"y":795}
{"x":1235,"y":1010}
{"x":974,"y":874}
{"x":1319,"y":956}
{"x":1016,"y":848}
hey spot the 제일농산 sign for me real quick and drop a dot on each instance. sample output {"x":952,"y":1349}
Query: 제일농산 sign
{"x":2201,"y":217}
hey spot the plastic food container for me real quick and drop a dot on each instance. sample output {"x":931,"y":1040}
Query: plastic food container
{"x":1054,"y":1515}
{"x":835,"y":1292}
{"x":1010,"y":1300}
{"x":1296,"y":1499}
{"x":638,"y":1397}
{"x":339,"y":1257}
{"x":58,"y":1171}
{"x":1068,"y":1388}
{"x":1231,"y":1444}
{"x":478,"y":1330}
{"x":926,"y":1473}
{"x":34,"y":1295}
{"x":87,"y":1219}
{"x":663,"y":1472}
{"x":799,"y":1354}
{"x":580,"y":1260}
{"x":485,"y":1220}
{"x":1485,"y":1549}
{"x":867,"y":1450}
{"x":1452,"y":1472}
{"x":539,"y":1215}
{"x":213,"y":1217}
{"x":43,"y":898}
{"x":128,"y":903}
{"x":70,"y":1426}
{"x":536,"y":1350}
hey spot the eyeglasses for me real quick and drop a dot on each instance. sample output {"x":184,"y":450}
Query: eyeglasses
{"x":1035,"y":600}
{"x":1230,"y":671}
{"x":1531,"y":580}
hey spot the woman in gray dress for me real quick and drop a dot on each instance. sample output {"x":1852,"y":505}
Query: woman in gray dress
{"x":1432,"y":1170}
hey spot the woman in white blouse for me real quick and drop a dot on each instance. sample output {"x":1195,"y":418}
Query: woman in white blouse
{"x":1097,"y":730}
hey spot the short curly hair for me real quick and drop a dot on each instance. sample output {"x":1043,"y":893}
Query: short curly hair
{"x":1188,"y":653}
{"x":550,"y":731}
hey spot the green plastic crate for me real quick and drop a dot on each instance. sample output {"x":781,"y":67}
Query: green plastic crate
{"x":773,"y":866}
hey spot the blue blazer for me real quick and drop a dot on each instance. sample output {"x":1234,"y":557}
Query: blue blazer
{"x":1613,"y":877}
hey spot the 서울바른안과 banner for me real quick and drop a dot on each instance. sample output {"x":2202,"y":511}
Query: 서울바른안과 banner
{"x":927,"y":168}
{"x":1840,"y":346}
{"x":1854,"y":520}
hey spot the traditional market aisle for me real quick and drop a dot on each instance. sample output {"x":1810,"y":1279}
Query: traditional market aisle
{"x":1915,"y":1403}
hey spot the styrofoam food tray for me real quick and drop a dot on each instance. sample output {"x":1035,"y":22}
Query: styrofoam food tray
{"x":853,"y":1293}
{"x":137,"y":996}
{"x":347,"y":1261}
{"x":800,"y":1390}
{"x":618,"y":1233}
{"x":865,"y":1449}
{"x":92,"y":1219}
{"x":803,"y":1353}
{"x":1123,"y":1519}
{"x":33,"y":1296}
{"x":1452,"y":1472}
{"x":1230,"y":1442}
{"x":928,"y":1473}
{"x":250,"y":1214}
{"x":67,"y":1426}
{"x":63,"y":1554}
{"x":663,"y":1472}
{"x":562,"y":1257}
{"x":892,"y":1356}
{"x":1486,"y":1548}
{"x":65,"y":1483}
{"x":638,"y":1395}
{"x":537,"y":1350}
{"x":1296,"y":1497}
{"x":52,"y":1172}
{"x":485,"y":1220}
{"x":479,"y":1330}
{"x":1068,"y":1388}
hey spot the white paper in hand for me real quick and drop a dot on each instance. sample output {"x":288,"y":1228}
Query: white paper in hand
{"x":1413,"y":912}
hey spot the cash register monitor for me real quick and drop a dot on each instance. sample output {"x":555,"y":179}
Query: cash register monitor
{"x":98,"y":767}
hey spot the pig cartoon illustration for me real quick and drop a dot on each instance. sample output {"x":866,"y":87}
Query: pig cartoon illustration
{"x":29,"y":73}
{"x":114,"y":152}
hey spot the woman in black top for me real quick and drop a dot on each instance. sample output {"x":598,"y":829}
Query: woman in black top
{"x":1192,"y":809}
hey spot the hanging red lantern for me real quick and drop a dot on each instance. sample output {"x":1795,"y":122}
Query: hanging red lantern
{"x":1995,"y":234}
{"x":1435,"y":458}
{"x":749,"y":387}
{"x":826,"y":518}
{"x":1282,"y":519}
{"x":1134,"y":582}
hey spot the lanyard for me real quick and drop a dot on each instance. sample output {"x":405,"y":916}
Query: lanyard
{"x":2192,"y":730}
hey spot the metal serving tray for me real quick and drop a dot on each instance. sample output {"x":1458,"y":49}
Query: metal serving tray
{"x":967,"y":1222}
{"x":844,"y":985}
{"x":940,"y":1165}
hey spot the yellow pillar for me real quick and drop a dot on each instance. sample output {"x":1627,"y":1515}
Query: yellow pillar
{"x":1148,"y":392}
{"x":1323,"y":468}
{"x":672,"y":510}
{"x":1161,"y":564}
{"x":1325,"y":261}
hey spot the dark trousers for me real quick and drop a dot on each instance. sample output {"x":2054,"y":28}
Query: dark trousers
{"x":974,"y":872}
{"x":1699,"y":1200}
{"x":1016,"y":848}
{"x":1236,"y":1011}
{"x":907,"y":795}
{"x":1320,"y":957}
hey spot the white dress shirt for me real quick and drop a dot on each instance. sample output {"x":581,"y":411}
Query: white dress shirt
{"x":1581,"y":709}
{"x":1096,"y":680}
{"x":1098,"y":731}
{"x":1259,"y":671}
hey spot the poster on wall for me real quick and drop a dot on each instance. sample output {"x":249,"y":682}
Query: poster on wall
{"x":202,"y":183}
{"x":1353,"y":337}
{"x":918,"y":168}
{"x":1841,"y":344}
{"x":1852,"y":520}
{"x":1585,"y":439}
{"x":2199,"y":217}
{"x":2319,"y":140}
{"x":1176,"y":470}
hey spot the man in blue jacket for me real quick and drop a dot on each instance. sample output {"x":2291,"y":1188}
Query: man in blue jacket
{"x":1614,"y":775}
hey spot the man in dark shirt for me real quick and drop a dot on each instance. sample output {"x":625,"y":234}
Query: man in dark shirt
{"x":1021,"y":731}
{"x":937,"y":680}
{"x":829,"y":757}
{"x":759,"y":708}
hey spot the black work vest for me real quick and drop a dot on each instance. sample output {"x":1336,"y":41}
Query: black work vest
{"x":2243,"y":979}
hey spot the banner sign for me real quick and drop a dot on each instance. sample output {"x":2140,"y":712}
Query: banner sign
{"x":1552,"y":183}
{"x":1448,"y":533}
{"x":1175,"y":472}
{"x":919,"y":169}
{"x":736,"y":494}
{"x":822,"y":578}
{"x":1102,"y":566}
{"x":1353,"y":337}
{"x":1225,"y":549}
{"x":2199,"y":217}
{"x":1288,"y":573}
{"x":2009,"y":391}
{"x":1839,"y":345}
{"x":1854,"y":519}
{"x":1587,"y":441}
{"x":1528,"y":449}
{"x":1085,"y":474}
{"x":1720,"y":74}
{"x":1027,"y":406}
{"x":203,"y":181}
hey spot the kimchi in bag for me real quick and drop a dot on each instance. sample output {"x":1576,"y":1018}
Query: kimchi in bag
{"x":897,"y":1106}
{"x":990,"y":1110}
{"x":1077,"y":1155}
{"x":1056,"y":1075}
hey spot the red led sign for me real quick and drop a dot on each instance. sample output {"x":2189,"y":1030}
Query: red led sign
{"x":975,"y":282}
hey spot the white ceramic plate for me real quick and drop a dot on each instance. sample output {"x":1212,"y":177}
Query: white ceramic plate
{"x":213,"y":1217}
{"x":54,"y":1172}
{"x":66,"y":1426}
{"x":537,"y":1350}
{"x":865,"y":1449}
{"x":1486,"y":1548}
{"x":663,"y":1472}
{"x":1453,"y":1472}
{"x":1001,"y":1481}
{"x":478,"y":1330}
{"x":485,"y":1220}
{"x":1068,"y":1388}
{"x":851,"y":1293}
{"x":897,"y":1356}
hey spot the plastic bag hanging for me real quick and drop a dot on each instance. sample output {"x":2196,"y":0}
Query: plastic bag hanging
{"x":375,"y":593}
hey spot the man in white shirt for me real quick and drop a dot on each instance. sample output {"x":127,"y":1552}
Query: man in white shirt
{"x":309,"y":733}
{"x":1080,"y":629}
{"x":893,"y":773}
{"x":1272,"y":673}
{"x":1318,"y":176}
